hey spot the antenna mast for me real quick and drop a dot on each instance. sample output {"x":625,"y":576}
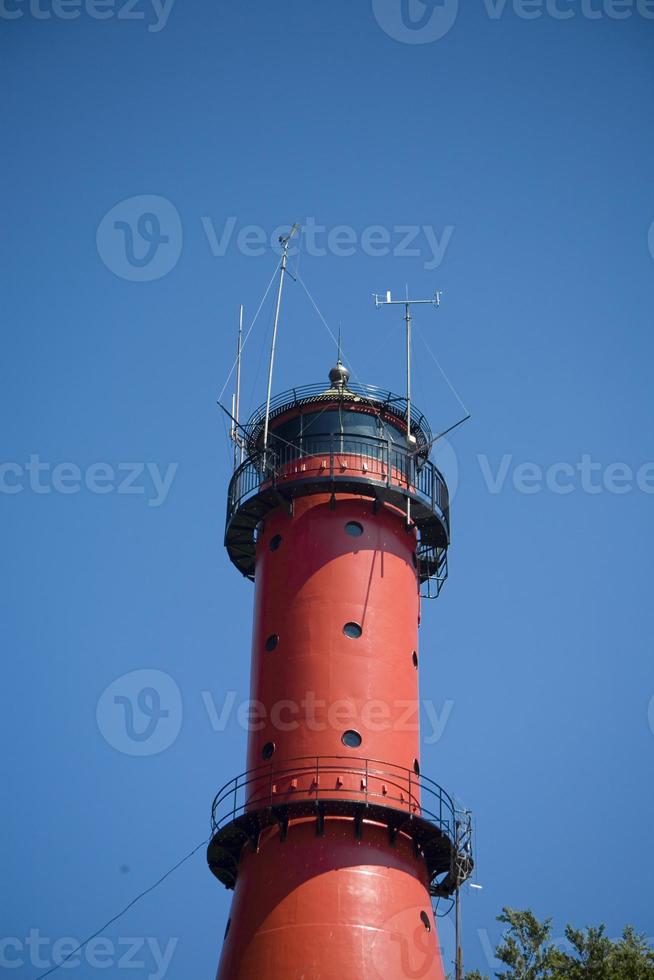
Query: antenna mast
{"x":284,"y":242}
{"x":236,"y":398}
{"x":407,"y":303}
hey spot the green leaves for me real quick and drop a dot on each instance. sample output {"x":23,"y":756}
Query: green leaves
{"x":596,"y":957}
{"x":525,"y":949}
{"x":528,"y":952}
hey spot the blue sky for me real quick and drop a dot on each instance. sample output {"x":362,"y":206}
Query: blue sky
{"x":518,"y":152}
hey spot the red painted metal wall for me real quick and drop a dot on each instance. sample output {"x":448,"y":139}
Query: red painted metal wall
{"x":334,"y":907}
{"x":331,"y":908}
{"x":318,"y":579}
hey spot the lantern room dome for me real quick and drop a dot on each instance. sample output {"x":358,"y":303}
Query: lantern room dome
{"x":344,"y":397}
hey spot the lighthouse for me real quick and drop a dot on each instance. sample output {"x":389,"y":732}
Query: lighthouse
{"x":333,"y":839}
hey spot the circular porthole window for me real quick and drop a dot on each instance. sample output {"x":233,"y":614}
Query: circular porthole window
{"x":353,"y":630}
{"x":275,"y":542}
{"x":414,"y":657}
{"x":351,"y":738}
{"x":354,"y":529}
{"x":416,"y":767}
{"x":424,"y":918}
{"x":271,"y":642}
{"x":268,"y":751}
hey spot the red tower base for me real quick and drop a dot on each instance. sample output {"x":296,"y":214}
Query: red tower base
{"x":315,"y":911}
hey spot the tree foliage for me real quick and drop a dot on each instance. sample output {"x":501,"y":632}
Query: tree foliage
{"x":527,"y":952}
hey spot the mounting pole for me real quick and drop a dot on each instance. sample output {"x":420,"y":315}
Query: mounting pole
{"x":387,"y":300}
{"x":458,"y":966}
{"x":407,"y":303}
{"x":283,"y":241}
{"x":238,"y":443}
{"x":407,"y":318}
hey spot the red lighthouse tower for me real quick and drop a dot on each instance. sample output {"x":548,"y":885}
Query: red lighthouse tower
{"x":333,"y":840}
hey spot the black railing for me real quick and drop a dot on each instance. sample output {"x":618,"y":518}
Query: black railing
{"x":366,"y":459}
{"x":394,"y":404}
{"x":378,"y":782}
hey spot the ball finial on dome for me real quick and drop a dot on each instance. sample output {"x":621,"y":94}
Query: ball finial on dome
{"x":339,"y":375}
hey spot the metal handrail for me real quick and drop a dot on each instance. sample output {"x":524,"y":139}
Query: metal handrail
{"x":236,"y":797}
{"x":386,"y":462}
{"x":286,"y":400}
